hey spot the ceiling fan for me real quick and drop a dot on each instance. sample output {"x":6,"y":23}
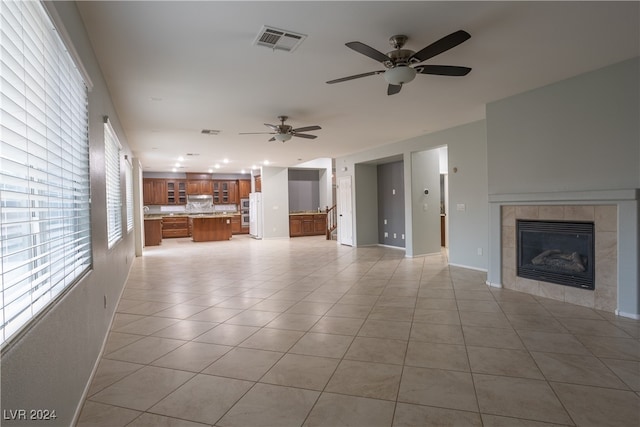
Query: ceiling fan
{"x":398,"y":62}
{"x":284,"y":132}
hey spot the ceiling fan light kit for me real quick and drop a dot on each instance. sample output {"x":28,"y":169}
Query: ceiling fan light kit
{"x":398,"y":62}
{"x":283,"y":132}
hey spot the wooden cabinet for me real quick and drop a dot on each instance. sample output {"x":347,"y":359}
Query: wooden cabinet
{"x":244,"y":188}
{"x":225,"y":192}
{"x":175,"y":226}
{"x":201,"y":186}
{"x":258,"y":182}
{"x":210,"y":228}
{"x":307,"y":225}
{"x":176,"y":192}
{"x":236,"y":224}
{"x":152,"y":232}
{"x":154,"y":191}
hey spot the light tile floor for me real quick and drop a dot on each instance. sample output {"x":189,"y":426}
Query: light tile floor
{"x":305,"y":332}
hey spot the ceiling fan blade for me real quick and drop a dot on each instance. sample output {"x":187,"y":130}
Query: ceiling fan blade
{"x":274,"y":127}
{"x":306,"y":128}
{"x":368,"y":51}
{"x":272,"y":139}
{"x":442,"y":45}
{"x":357,"y":76}
{"x":393,"y":89}
{"x":443,"y":70}
{"x":256,"y":133}
{"x":304,"y":135}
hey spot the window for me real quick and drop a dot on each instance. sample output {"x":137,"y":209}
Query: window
{"x":129,"y":183}
{"x":45,"y":227}
{"x":112,"y":177}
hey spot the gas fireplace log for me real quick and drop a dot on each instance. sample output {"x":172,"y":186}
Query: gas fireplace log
{"x":557,"y":258}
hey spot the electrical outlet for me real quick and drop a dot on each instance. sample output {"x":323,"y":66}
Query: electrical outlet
{"x":393,"y":191}
{"x":385,"y":222}
{"x":461,"y":207}
{"x":386,"y":234}
{"x":394,"y":235}
{"x":402,"y":236}
{"x":479,"y":251}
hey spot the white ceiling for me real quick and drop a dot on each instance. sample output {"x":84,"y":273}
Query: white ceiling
{"x":175,"y":68}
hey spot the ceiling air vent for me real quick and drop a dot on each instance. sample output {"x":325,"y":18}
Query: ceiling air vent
{"x":210,"y":132}
{"x":277,"y":39}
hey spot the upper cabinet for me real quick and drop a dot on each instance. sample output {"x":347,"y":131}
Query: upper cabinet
{"x":154,"y":191}
{"x":176,"y":192}
{"x":225,"y":192}
{"x":244,"y":188}
{"x":258,"y":180}
{"x":202,"y":186}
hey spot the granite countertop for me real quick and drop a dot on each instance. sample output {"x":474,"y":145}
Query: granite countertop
{"x":189,"y":215}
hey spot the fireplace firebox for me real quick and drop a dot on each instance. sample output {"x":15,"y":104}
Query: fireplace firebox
{"x":560,"y":252}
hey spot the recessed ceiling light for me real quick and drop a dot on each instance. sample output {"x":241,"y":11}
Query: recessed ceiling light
{"x":225,"y":161}
{"x":217,"y":166}
{"x":177,"y":165}
{"x":174,"y":170}
{"x":210,"y":170}
{"x":254,"y":167}
{"x":181,"y":159}
{"x":242,"y":171}
{"x":266,"y":162}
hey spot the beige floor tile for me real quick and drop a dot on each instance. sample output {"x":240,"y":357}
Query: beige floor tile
{"x":602,"y":407}
{"x":244,"y":363}
{"x":338,"y":325}
{"x":118,"y":340}
{"x":146,"y":325}
{"x":437,"y":355}
{"x":324,"y":345}
{"x":485,"y":320}
{"x":185,"y":329}
{"x":519,"y":397}
{"x":296,"y":322}
{"x":407,"y":415}
{"x":252,"y":318}
{"x":215,"y":314}
{"x":193,"y":356}
{"x":478,"y":305}
{"x":349,"y":310}
{"x":498,"y":421}
{"x":294,"y":370}
{"x":532,"y":308}
{"x":441,"y":317}
{"x":377,"y":350}
{"x":225,"y":334}
{"x":492,"y":337}
{"x":122,"y":319}
{"x":601,"y":328}
{"x":473,"y":293}
{"x":438,"y":387}
{"x":433,"y":293}
{"x":144,"y":308}
{"x":498,"y":361}
{"x":100,"y":415}
{"x":577,"y":369}
{"x":313,"y":308}
{"x":335,"y":410}
{"x":153,"y":420}
{"x":180,"y":311}
{"x":399,"y":314}
{"x":203,"y":399}
{"x":612,"y":347}
{"x":430,"y":332}
{"x":146,"y":350}
{"x":143,"y":388}
{"x":110,"y":371}
{"x":365,"y":379}
{"x":532,"y":322}
{"x":368,"y":300}
{"x":272,"y":339}
{"x":436,"y":304}
{"x":627,"y":370}
{"x":385,"y":329}
{"x":239,"y":302}
{"x":552,"y":342}
{"x":271,"y":405}
{"x":279,"y":306}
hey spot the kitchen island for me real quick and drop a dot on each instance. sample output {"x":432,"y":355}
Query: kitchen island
{"x":208,"y":228}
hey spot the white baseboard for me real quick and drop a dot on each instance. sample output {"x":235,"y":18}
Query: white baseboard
{"x":493,"y":285}
{"x":484,"y":270}
{"x":628,"y":315}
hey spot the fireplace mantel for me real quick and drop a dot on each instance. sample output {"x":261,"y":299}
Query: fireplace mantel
{"x":626,"y":213}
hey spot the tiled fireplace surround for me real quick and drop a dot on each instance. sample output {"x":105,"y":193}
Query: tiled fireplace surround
{"x":616,"y":218}
{"x":605,"y":219}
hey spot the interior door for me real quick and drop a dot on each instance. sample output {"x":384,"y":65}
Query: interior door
{"x":345,"y":211}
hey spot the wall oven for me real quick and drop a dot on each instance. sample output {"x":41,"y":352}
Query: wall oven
{"x":244,"y":212}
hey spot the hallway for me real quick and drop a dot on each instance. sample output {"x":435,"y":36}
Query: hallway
{"x":306,"y":332}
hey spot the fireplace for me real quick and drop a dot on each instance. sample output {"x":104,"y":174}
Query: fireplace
{"x":560,"y":252}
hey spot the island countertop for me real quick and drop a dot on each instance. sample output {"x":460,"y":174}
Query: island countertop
{"x":207,"y":228}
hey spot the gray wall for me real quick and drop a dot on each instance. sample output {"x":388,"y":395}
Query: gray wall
{"x":425,"y":208}
{"x":391,"y":204}
{"x":365,"y":206}
{"x":50,"y":365}
{"x":467,"y":146}
{"x":577,"y":134}
{"x":304,"y":190}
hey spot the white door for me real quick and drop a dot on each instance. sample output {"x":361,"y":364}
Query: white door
{"x":345,"y":212}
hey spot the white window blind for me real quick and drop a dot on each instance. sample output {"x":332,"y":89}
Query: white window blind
{"x":45,"y":228}
{"x":112,"y":149}
{"x":129,"y":183}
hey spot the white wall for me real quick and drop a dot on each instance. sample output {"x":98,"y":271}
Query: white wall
{"x":425,"y":208}
{"x":275,"y":202}
{"x":50,"y":366}
{"x":467,"y":149}
{"x":324,"y":166}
